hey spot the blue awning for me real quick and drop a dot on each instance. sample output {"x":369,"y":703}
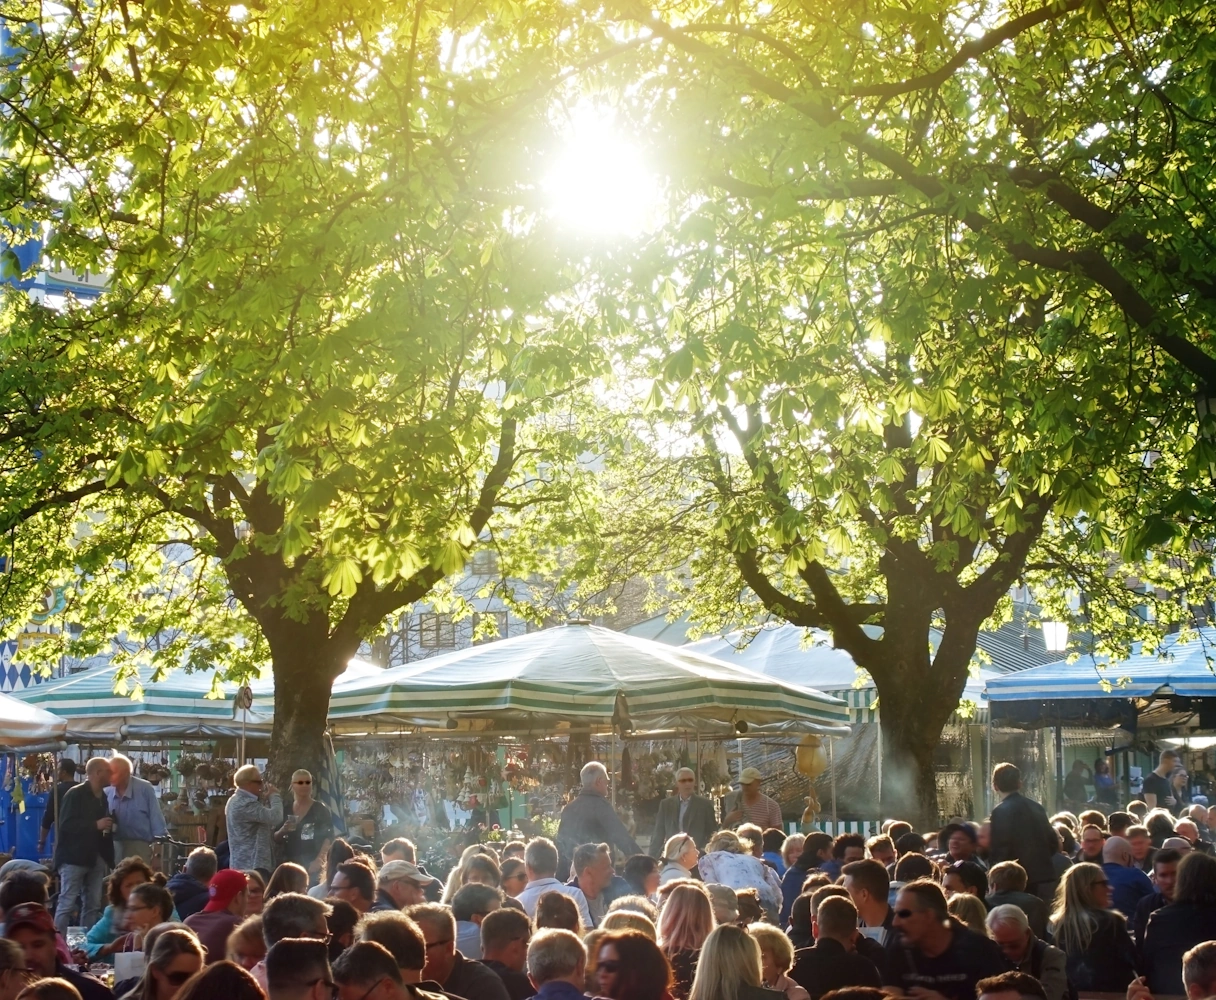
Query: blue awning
{"x":1183,"y":668}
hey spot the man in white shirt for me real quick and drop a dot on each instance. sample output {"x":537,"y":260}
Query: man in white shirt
{"x":540,"y":862}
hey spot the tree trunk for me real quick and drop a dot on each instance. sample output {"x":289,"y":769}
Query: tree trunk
{"x":910,"y":735}
{"x":303,"y":680}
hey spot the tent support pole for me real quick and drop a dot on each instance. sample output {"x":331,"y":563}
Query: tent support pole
{"x":612,"y":766}
{"x":832,"y":765}
{"x":878,"y":722}
{"x":1059,"y":766}
{"x":988,"y":765}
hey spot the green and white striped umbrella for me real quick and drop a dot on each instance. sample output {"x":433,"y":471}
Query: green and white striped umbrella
{"x":581,"y":675}
{"x":175,"y":706}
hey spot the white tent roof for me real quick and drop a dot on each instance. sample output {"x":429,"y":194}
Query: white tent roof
{"x":26,"y":725}
{"x":807,"y":657}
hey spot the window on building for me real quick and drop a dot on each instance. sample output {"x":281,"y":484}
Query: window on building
{"x":485,"y":562}
{"x":482,"y":620}
{"x":436,"y":631}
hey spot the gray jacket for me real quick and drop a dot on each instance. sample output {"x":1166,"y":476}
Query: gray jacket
{"x":250,"y":828}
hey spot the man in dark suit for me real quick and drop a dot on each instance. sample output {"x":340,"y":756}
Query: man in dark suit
{"x":684,"y":812}
{"x":1021,"y":832}
{"x":833,"y":962}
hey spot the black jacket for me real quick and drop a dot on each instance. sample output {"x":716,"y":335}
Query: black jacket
{"x":1021,"y":832}
{"x":1109,"y":963}
{"x":78,"y":841}
{"x":699,"y":822}
{"x":474,"y":981}
{"x":590,"y":819}
{"x":518,"y":985}
{"x":1145,"y":909}
{"x":827,"y":966}
{"x":189,"y":894}
{"x":1171,"y":931}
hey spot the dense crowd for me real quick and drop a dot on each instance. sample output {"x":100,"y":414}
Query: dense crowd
{"x":1021,"y":905}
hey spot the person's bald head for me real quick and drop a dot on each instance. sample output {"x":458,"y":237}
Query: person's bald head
{"x":1117,"y":851}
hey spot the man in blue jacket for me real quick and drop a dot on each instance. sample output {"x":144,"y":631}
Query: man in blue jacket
{"x":1128,"y":884}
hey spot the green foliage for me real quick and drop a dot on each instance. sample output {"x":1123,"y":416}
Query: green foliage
{"x":327,"y":361}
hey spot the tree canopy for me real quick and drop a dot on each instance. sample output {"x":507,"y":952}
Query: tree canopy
{"x":329,"y":360}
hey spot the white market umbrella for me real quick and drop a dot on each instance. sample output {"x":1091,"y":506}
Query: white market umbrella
{"x":23,"y":725}
{"x":581,"y":675}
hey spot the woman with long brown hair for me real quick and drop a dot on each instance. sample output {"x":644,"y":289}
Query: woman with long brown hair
{"x":221,"y":979}
{"x":631,"y":967}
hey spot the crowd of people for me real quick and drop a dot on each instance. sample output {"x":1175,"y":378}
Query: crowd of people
{"x":1021,"y":905}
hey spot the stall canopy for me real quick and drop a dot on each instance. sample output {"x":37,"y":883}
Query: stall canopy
{"x":801,"y":656}
{"x":175,"y":707}
{"x":1094,"y":690}
{"x":23,"y":725}
{"x":583,"y":676}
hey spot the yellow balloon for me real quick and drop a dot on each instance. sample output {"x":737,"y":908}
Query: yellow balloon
{"x":812,"y":757}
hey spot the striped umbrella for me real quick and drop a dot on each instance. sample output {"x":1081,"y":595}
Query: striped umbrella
{"x":583,"y":675}
{"x":176,"y":706}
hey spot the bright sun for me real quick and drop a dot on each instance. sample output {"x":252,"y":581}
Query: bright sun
{"x":600,"y":182}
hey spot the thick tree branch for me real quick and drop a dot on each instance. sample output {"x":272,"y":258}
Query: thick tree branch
{"x":970,"y":50}
{"x":56,"y":500}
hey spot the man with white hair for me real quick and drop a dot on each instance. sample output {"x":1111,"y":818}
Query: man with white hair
{"x":557,"y":964}
{"x":135,"y":806}
{"x":1009,"y":928}
{"x":685,"y":812}
{"x":251,"y":823}
{"x":590,"y":819}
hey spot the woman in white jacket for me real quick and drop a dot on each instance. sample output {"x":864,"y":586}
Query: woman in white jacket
{"x":726,"y":862}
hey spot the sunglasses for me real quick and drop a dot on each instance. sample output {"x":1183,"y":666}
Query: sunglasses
{"x":611,"y":966}
{"x":178,"y":978}
{"x":303,"y":783}
{"x":905,"y":914}
{"x":439,"y":944}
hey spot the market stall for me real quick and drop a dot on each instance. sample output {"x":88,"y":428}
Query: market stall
{"x":497,"y":733}
{"x":1170,"y":691}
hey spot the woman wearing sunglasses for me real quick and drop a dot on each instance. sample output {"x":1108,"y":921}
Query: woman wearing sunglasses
{"x":630,"y":966}
{"x":175,"y":957}
{"x":307,"y":829}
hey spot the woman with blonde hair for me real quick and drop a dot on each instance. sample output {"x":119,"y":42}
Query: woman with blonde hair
{"x":176,"y":956}
{"x":1101,"y":955}
{"x":728,"y":863}
{"x":460,"y":874}
{"x":629,"y":920}
{"x":686,"y":920}
{"x":680,"y":856}
{"x":50,"y":989}
{"x":776,"y":960}
{"x":729,"y":968}
{"x":246,"y":945}
{"x":969,"y":911}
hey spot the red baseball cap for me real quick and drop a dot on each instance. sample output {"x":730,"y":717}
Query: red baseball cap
{"x":33,"y":915}
{"x":225,"y":887}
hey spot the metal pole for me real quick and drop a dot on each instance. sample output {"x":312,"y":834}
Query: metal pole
{"x":1059,"y":767}
{"x":878,"y":722}
{"x":832,"y":765}
{"x":988,"y":764}
{"x":612,"y":767}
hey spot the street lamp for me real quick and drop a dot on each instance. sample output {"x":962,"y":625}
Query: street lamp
{"x":1055,"y":636}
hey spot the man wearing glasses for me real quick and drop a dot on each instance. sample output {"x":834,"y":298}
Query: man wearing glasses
{"x":445,"y":965}
{"x":936,"y":958}
{"x":251,"y":822}
{"x":684,"y":812}
{"x":505,"y":934}
{"x":292,"y":915}
{"x":298,"y":969}
{"x":368,"y":971}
